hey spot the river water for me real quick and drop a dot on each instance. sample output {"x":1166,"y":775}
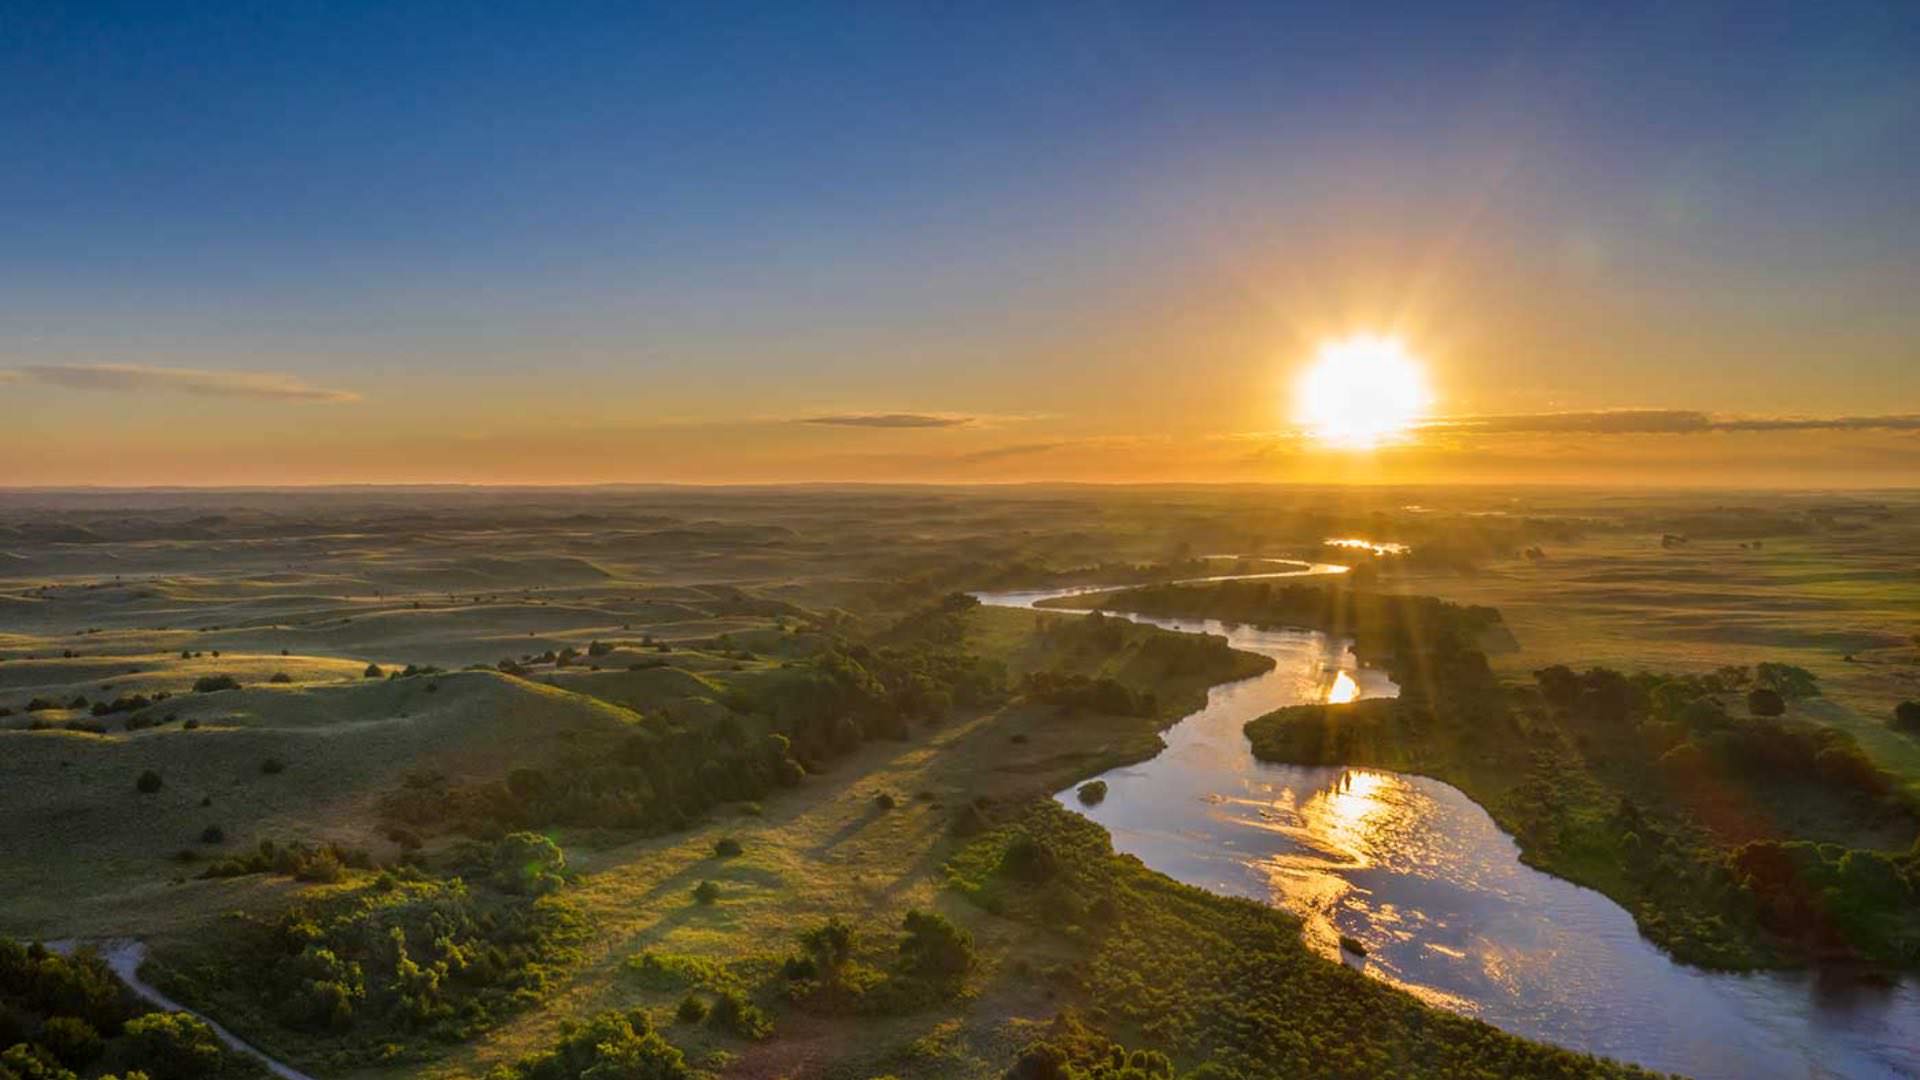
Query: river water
{"x":1419,"y":874}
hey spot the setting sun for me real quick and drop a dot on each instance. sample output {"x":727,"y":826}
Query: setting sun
{"x":1361,"y":392}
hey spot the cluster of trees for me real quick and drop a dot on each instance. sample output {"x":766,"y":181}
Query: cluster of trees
{"x":1071,"y":1050}
{"x":1429,"y":646}
{"x":324,"y":863}
{"x":401,"y":959}
{"x":1738,"y":837}
{"x":608,"y":1046}
{"x":62,"y":1017}
{"x":1071,"y":692}
{"x":1199,"y":977}
{"x":664,"y":772}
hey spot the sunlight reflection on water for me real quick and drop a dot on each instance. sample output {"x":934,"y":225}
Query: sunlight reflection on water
{"x":1422,"y":876}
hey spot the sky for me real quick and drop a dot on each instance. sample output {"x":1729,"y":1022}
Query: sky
{"x":1662,"y":243}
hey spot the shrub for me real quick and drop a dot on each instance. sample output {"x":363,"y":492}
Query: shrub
{"x":1766,"y":702}
{"x":273,"y":766}
{"x":885,"y":801}
{"x":212,"y":684}
{"x":174,"y":1046}
{"x":691,"y":1009}
{"x":934,"y":945}
{"x":1028,"y":859}
{"x":726,"y":847}
{"x":733,"y":1012}
{"x":706,"y":892}
{"x":1092,"y":792}
{"x":830,"y":943}
{"x":528,"y":864}
{"x":213,"y":834}
{"x":1906,"y":717}
{"x":148,"y":783}
{"x":1788,"y":680}
{"x":372,"y":672}
{"x":72,"y":1040}
{"x":280,"y":677}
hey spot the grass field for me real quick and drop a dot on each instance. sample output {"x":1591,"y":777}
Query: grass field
{"x":708,"y":602}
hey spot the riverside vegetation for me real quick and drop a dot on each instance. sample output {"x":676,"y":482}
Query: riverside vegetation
{"x":1738,"y":838}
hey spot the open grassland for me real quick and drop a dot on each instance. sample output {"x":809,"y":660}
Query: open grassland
{"x":1844,"y":605}
{"x":642,"y":674}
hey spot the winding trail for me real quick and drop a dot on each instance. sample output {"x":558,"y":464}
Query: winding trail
{"x":125,"y":955}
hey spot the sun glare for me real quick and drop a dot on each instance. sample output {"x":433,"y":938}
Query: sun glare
{"x":1361,"y":392}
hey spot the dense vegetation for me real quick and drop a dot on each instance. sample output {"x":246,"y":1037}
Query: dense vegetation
{"x":1737,"y":837}
{"x":611,"y":1046}
{"x":379,"y":971}
{"x":1203,"y":978}
{"x":1429,"y":646}
{"x":671,"y":766}
{"x":64,"y":1017}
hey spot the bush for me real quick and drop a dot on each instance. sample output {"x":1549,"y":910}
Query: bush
{"x":528,"y":864}
{"x":1029,"y":860}
{"x":213,"y":834}
{"x":706,"y":892}
{"x":1766,"y":702}
{"x":72,"y":1040}
{"x":174,"y":1046}
{"x":934,"y":945}
{"x":1789,"y":681}
{"x":726,"y":847}
{"x":1092,"y":792}
{"x":273,"y":766}
{"x":148,"y":783}
{"x":691,"y":1009}
{"x":885,"y":801}
{"x":733,"y":1012}
{"x":372,"y":672}
{"x":280,"y":677}
{"x":213,"y":684}
{"x":611,"y":1046}
{"x":1906,"y":717}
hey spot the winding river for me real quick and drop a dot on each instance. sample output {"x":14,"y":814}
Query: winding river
{"x":1419,"y":874}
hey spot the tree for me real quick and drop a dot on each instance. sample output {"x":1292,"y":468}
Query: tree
{"x":148,"y":783}
{"x":1763,"y":701}
{"x":529,"y":864}
{"x":706,"y":892}
{"x":1790,"y":681}
{"x":212,"y":684}
{"x":373,"y":672}
{"x":1906,"y":717}
{"x":174,"y":1046}
{"x":934,"y":945}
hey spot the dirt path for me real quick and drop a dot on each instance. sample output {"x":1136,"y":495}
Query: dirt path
{"x":125,"y":957}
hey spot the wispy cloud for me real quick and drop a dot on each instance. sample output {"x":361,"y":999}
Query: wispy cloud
{"x":1002,"y":453}
{"x":139,"y":377}
{"x":1660,"y":422}
{"x":890,"y":420}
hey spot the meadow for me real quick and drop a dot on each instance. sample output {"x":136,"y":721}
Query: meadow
{"x":656,"y":679}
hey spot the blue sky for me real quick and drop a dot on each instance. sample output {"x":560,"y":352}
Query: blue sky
{"x":633,"y":213}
